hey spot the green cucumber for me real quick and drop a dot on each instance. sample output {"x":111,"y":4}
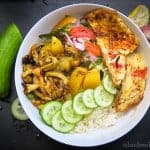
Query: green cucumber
{"x":10,"y":40}
{"x":98,"y":95}
{"x":59,"y":124}
{"x":107,"y":98}
{"x":79,"y":106}
{"x":108,"y":85}
{"x":17,"y":110}
{"x":88,"y":98}
{"x":49,"y":110}
{"x":69,"y":114}
{"x":102,"y":97}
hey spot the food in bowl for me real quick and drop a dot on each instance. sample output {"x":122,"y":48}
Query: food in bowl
{"x":82,"y":72}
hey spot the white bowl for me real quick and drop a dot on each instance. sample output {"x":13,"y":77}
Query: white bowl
{"x":99,"y":137}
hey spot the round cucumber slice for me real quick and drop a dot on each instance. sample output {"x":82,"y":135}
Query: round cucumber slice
{"x":98,"y":95}
{"x":102,"y":97}
{"x":17,"y":110}
{"x":69,"y":114}
{"x":88,"y":98}
{"x":79,"y":106}
{"x":59,"y":124}
{"x":49,"y":110}
{"x":108,"y":85}
{"x":107,"y":98}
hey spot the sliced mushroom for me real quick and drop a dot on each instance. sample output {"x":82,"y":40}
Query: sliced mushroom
{"x":27,"y":70}
{"x":30,"y":87}
{"x":51,"y":65}
{"x":42,"y":96}
{"x":34,"y":53}
{"x":38,"y":72}
{"x":28,"y":79}
{"x":57,"y":75}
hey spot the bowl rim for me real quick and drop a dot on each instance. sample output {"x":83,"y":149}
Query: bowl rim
{"x":33,"y":120}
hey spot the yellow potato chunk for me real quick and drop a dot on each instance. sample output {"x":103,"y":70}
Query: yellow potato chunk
{"x":65,"y":21}
{"x":92,"y":79}
{"x":46,"y":47}
{"x":56,"y":46}
{"x":76,"y":79}
{"x":65,"y":63}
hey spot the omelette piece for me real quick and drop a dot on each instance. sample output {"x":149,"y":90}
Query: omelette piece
{"x":133,"y":85}
{"x":107,"y":23}
{"x":115,"y":39}
{"x":114,"y":61}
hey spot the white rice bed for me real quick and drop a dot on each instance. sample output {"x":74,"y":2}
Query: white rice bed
{"x":99,"y":118}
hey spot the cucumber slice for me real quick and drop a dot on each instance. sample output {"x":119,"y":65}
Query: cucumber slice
{"x":108,"y":85}
{"x":107,"y":98}
{"x":88,"y":98}
{"x":69,"y":114}
{"x":79,"y":106}
{"x":49,"y":110}
{"x":98,"y":95}
{"x":102,"y":97}
{"x":59,"y":124}
{"x":17,"y":110}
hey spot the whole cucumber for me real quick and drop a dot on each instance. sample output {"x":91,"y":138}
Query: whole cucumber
{"x":10,"y":40}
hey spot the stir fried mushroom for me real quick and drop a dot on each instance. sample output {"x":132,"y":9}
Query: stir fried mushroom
{"x":28,"y":79}
{"x":28,"y":59}
{"x":30,"y":87}
{"x":55,"y":88}
{"x":34,"y":52}
{"x":51,"y":64}
{"x":44,"y":56}
{"x":71,"y":51}
{"x":45,"y":74}
{"x":38,"y":72}
{"x":38,"y":102}
{"x":27,"y":73}
{"x":35,"y":80}
{"x":27,"y":70}
{"x":42,"y":96}
{"x":57,"y":75}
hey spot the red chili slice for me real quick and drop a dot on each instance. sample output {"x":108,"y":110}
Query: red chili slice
{"x":93,"y":48}
{"x":82,"y":32}
{"x":112,"y":55}
{"x":140,"y":73}
{"x":117,"y":66}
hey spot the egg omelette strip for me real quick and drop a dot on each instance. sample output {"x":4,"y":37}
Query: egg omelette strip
{"x":115,"y":39}
{"x":133,"y":86}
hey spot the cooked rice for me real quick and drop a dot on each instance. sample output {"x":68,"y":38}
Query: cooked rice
{"x":100,"y":118}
